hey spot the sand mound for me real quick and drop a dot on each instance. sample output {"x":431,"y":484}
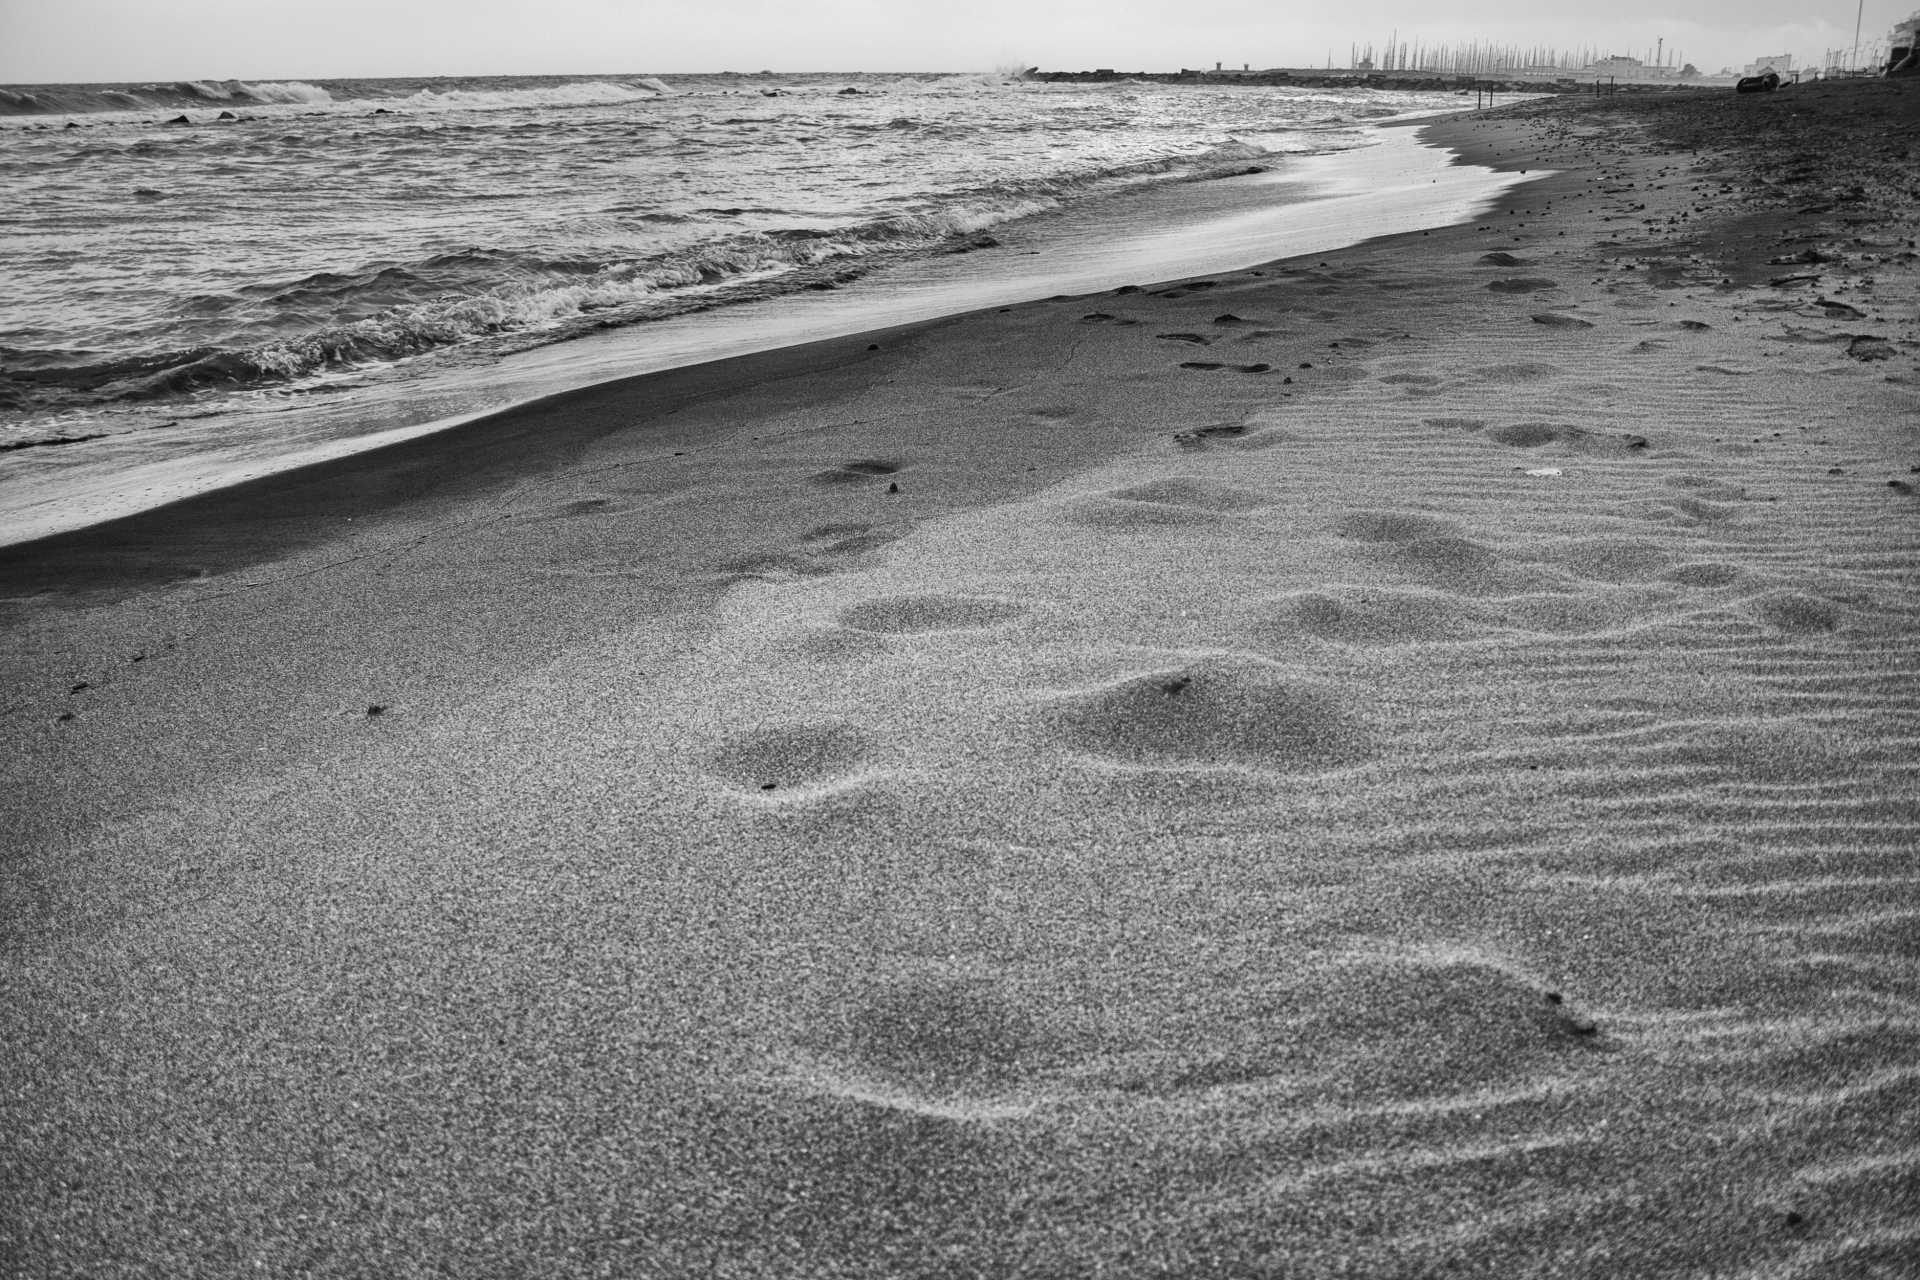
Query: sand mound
{"x":1213,"y":711}
{"x":933,"y":1030}
{"x":1367,"y":616}
{"x":1170,"y":503}
{"x":790,"y":755}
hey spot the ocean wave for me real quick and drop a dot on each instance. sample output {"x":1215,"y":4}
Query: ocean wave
{"x":181,"y":94}
{"x":187,"y":95}
{"x":589,"y":93}
{"x":278,"y":332}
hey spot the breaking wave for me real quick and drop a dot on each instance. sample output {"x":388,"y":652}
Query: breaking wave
{"x":388,"y":312}
{"x":188,"y":95}
{"x":587,"y":93}
{"x":179,"y":95}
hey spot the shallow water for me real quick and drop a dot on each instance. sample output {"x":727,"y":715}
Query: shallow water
{"x":350,"y":258}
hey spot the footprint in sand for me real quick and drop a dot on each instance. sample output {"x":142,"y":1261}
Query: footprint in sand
{"x":1210,"y":365}
{"x":1613,"y":559}
{"x":1554,"y":320}
{"x":1200,"y":437}
{"x":1532,"y":435}
{"x":1403,"y":1017}
{"x":828,"y":548}
{"x":1179,"y":500}
{"x":1794,"y":612}
{"x":936,"y":1031}
{"x":1394,"y":526}
{"x":1196,"y":339}
{"x":1365,"y":616}
{"x":846,"y":539}
{"x":1523,"y":284}
{"x":1426,"y":547}
{"x":1222,"y":710}
{"x":1516,"y":373}
{"x":1692,"y":511}
{"x":855,"y":472}
{"x":1704,"y":573}
{"x":911,"y":615}
{"x":1234,"y":435}
{"x":797,"y":754}
{"x":1500,"y":260}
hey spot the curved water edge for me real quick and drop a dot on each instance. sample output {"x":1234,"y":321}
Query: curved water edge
{"x":318,"y":233}
{"x":385,"y":311}
{"x":1314,"y":205}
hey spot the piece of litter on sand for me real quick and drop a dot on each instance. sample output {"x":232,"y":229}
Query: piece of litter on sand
{"x":1539,"y":471}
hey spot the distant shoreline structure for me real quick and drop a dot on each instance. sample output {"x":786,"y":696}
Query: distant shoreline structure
{"x":1346,"y":78}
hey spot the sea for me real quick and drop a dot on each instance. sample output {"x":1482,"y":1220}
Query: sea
{"x":205,"y":280}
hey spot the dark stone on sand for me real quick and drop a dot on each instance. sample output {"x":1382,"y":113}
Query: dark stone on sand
{"x":1865,"y":347}
{"x":1553,"y":321}
{"x":1522,"y":285}
{"x":376,"y":709}
{"x":180,"y":120}
{"x":226,"y":115}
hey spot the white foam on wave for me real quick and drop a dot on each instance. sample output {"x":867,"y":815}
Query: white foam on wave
{"x":588,"y":93}
{"x":289,"y":91}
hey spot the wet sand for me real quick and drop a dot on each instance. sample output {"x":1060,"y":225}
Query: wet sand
{"x":1395,"y":762}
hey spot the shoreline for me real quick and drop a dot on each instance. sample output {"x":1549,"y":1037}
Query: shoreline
{"x":1391,"y":761}
{"x":1325,"y":201}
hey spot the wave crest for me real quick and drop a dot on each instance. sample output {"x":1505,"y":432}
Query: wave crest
{"x":589,"y":93}
{"x":188,"y":94}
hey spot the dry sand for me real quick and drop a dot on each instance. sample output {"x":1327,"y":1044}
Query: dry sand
{"x":1396,"y":763}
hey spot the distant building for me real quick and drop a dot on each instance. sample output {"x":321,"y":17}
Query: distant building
{"x":1777,"y":62}
{"x":1624,"y":68}
{"x":1904,"y":45}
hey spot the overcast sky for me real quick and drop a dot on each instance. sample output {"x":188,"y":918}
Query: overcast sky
{"x":54,"y":41}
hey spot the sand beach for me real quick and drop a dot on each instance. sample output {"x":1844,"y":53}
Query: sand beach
{"x":1396,"y":762}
